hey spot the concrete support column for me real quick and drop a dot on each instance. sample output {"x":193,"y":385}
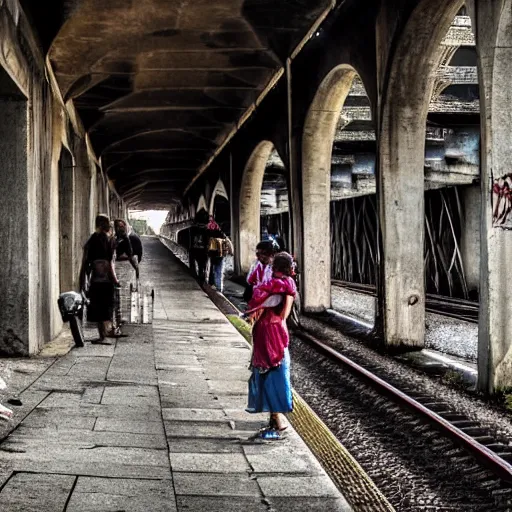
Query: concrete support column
{"x":14,"y":229}
{"x":250,"y":198}
{"x":470,"y":240}
{"x":317,"y":142}
{"x":492,"y":21}
{"x":295,"y":203}
{"x":66,"y":221}
{"x":401,"y":200}
{"x":93,"y":198}
{"x":406,"y":90}
{"x":81,"y":227}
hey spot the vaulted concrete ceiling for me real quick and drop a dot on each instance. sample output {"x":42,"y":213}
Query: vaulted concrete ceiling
{"x":160,"y":84}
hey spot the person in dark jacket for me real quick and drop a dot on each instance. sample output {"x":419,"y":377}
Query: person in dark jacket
{"x":98,"y":269}
{"x":198,"y":249}
{"x":136,"y":245}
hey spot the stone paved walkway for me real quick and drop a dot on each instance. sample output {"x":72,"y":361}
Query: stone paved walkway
{"x":156,"y":422}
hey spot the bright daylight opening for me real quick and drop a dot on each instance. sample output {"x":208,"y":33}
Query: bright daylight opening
{"x":145,"y":221}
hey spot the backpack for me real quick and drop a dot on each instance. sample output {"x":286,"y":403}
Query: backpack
{"x":215,"y":245}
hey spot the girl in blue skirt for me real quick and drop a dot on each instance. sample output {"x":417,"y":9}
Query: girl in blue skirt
{"x":269,"y":386}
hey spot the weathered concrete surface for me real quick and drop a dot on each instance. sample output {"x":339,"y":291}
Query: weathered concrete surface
{"x":493,"y":22}
{"x":66,"y":220}
{"x":155,"y":422}
{"x":318,"y":138}
{"x":250,"y":199}
{"x":36,"y":126}
{"x":14,"y":226}
{"x":470,"y":240}
{"x":408,"y":89}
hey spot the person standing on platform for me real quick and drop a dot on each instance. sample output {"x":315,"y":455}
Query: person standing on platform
{"x":128,"y":245}
{"x":269,"y":386}
{"x":219,"y":246}
{"x":128,"y":248}
{"x":198,"y":249}
{"x":261,"y":270}
{"x":98,"y":270}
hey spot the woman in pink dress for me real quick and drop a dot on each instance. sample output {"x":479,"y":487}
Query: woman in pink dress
{"x":269,"y":386}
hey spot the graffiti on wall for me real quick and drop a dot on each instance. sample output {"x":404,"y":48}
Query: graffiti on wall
{"x":502,"y":202}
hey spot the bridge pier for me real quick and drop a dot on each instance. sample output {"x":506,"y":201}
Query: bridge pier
{"x":249,"y":205}
{"x":400,"y":190}
{"x":319,"y":130}
{"x":493,"y":23}
{"x":14,"y":221}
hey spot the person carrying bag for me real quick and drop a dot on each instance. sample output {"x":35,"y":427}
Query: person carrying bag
{"x":219,"y":246}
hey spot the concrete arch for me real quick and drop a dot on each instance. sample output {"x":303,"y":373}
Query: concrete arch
{"x":250,"y":198}
{"x":219,"y":190}
{"x":317,"y":143}
{"x":201,"y":204}
{"x":407,"y":91}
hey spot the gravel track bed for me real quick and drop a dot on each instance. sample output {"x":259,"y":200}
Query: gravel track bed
{"x":415,"y":467}
{"x":448,"y":335}
{"x":404,"y":377}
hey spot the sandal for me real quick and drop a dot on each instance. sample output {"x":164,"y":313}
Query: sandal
{"x":271,"y":434}
{"x":273,"y":423}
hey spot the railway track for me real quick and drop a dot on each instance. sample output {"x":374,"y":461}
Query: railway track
{"x":481,"y":476}
{"x":472,"y":446}
{"x":462,"y":447}
{"x":469,"y":435}
{"x":447,"y":306}
{"x":413,"y":463}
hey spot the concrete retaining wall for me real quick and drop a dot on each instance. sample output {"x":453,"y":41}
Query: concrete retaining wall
{"x":35,"y":126}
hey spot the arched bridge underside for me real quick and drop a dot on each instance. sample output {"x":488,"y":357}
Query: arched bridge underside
{"x":259,"y":109}
{"x":161,"y":85}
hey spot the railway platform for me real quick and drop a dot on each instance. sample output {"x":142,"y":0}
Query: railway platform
{"x":154,"y":422}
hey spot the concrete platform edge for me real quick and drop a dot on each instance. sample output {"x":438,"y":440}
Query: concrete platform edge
{"x":346,"y":473}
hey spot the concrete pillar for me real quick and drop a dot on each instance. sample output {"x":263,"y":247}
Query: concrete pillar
{"x":406,"y":92}
{"x":470,"y":239}
{"x":492,"y":20}
{"x":93,"y":199}
{"x":14,"y":228}
{"x":66,"y":220}
{"x":81,"y":204}
{"x":250,"y":197}
{"x":317,"y":142}
{"x":401,"y":195}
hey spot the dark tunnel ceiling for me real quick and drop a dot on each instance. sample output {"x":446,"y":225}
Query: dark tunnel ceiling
{"x":159,"y":84}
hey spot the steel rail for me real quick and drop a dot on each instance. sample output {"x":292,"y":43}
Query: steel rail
{"x":484,"y":455}
{"x":370,"y":288}
{"x":451,"y":315}
{"x":438,"y":304}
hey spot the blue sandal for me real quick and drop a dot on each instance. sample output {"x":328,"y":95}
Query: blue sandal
{"x":272,"y":434}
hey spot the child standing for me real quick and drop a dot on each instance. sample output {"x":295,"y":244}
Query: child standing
{"x":269,"y":386}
